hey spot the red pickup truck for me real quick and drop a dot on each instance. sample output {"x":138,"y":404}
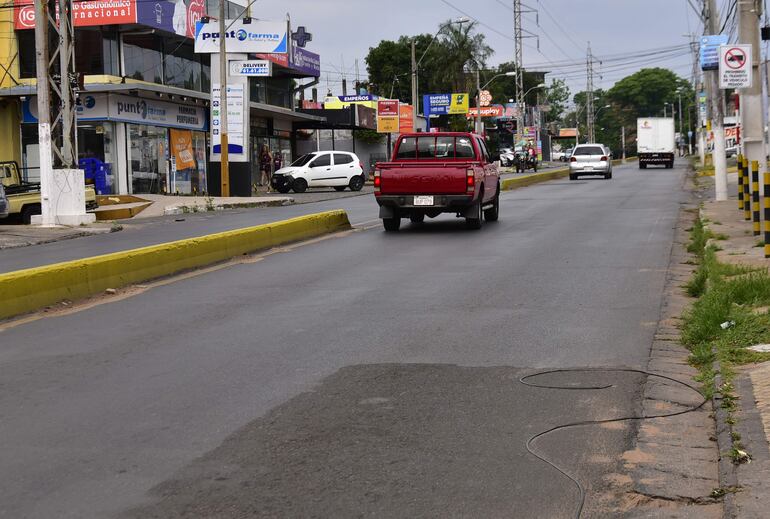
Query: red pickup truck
{"x":434,"y":173}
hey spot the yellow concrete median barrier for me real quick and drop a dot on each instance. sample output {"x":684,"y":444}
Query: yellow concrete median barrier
{"x":535,"y":178}
{"x":27,"y":290}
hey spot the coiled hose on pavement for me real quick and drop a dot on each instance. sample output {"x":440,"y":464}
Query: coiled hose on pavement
{"x":525,"y":380}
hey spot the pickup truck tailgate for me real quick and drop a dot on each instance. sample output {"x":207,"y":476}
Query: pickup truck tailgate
{"x":437,"y":178}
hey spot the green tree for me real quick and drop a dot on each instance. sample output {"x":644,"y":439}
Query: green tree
{"x":556,"y":96}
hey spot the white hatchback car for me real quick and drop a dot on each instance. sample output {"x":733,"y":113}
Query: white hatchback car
{"x":337,"y":169}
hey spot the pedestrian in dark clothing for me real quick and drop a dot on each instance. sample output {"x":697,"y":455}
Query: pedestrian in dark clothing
{"x":265,"y":166}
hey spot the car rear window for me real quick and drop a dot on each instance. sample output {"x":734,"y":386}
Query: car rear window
{"x":589,"y":150}
{"x":435,"y":147}
{"x":342,"y":158}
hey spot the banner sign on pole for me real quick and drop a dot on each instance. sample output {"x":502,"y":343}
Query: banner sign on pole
{"x":259,"y":36}
{"x":254,"y":68}
{"x":405,"y":118}
{"x":387,"y":116}
{"x":709,"y":51}
{"x":735,"y":66}
{"x":443,"y":104}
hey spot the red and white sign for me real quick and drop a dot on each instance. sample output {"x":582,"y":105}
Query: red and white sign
{"x":195,"y":11}
{"x":735,"y":66}
{"x":278,"y":59}
{"x":387,"y":108}
{"x":84,"y":13}
{"x":485,"y":98}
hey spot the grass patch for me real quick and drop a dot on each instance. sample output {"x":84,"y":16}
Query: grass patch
{"x":727,"y":294}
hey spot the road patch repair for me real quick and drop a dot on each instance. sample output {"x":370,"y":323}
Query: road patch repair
{"x":27,"y":290}
{"x":426,"y":440}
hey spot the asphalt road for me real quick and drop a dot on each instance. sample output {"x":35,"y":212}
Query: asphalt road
{"x":363,"y":375}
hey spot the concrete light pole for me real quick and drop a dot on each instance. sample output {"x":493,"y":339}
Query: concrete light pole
{"x":717,"y":112}
{"x":752,"y":114}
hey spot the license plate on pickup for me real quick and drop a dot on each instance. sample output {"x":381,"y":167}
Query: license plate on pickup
{"x":423,"y":200}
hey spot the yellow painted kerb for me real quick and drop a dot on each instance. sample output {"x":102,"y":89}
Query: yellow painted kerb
{"x":27,"y":290}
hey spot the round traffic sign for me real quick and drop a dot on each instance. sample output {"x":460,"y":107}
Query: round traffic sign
{"x":735,"y":58}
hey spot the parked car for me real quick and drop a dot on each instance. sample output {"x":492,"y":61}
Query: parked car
{"x":337,"y":169}
{"x":434,"y":173}
{"x":567,"y":155}
{"x":506,"y":157}
{"x":731,"y":151}
{"x":590,"y":159}
{"x":557,"y":155}
{"x":3,"y":202}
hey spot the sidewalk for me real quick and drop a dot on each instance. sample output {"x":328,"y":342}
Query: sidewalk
{"x":752,"y":382}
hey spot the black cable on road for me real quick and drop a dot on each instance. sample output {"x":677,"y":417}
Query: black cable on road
{"x":578,"y":485}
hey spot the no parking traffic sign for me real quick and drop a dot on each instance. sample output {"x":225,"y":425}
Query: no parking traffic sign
{"x":735,"y":66}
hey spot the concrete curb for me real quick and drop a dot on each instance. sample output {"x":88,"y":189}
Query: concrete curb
{"x":23,"y":291}
{"x":728,"y":478}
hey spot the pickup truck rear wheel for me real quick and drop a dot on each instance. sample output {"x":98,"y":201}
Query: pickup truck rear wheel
{"x":391,"y":224}
{"x":474,"y":222}
{"x":28,"y":211}
{"x":493,"y":213}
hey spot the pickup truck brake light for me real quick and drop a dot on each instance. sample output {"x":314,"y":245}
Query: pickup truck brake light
{"x":470,"y":179}
{"x":377,"y":180}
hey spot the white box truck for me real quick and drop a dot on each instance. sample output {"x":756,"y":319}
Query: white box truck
{"x":655,"y":141}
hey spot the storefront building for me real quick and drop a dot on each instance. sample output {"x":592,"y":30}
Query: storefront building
{"x":144,"y":114}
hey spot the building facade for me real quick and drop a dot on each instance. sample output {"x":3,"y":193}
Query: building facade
{"x":144,"y":112}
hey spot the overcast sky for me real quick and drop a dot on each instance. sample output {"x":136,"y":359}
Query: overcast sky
{"x":343,"y":31}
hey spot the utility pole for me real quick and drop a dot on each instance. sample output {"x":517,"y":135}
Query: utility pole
{"x":590,"y":95}
{"x":414,"y":90}
{"x":717,"y":112}
{"x":519,"y":61}
{"x":60,"y":181}
{"x":478,"y":102}
{"x":223,"y":70}
{"x":623,"y":143}
{"x":681,"y":126}
{"x":752,"y":115}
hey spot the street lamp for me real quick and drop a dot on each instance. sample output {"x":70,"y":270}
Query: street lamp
{"x":416,"y":64}
{"x":596,"y":115}
{"x":577,"y":122}
{"x":478,"y":94}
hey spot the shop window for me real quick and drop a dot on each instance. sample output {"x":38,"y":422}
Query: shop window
{"x":232,"y":10}
{"x":96,"y":52}
{"x":27,"y":68}
{"x":182,"y":67}
{"x":143,"y":58}
{"x":279,"y":92}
